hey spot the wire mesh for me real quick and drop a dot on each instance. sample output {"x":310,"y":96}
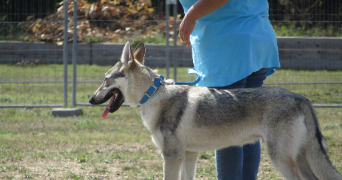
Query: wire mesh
{"x":311,"y":69}
{"x":30,"y":75}
{"x":301,"y":73}
{"x":315,"y":69}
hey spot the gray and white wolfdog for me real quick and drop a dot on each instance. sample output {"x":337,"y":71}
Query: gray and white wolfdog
{"x":184,"y":120}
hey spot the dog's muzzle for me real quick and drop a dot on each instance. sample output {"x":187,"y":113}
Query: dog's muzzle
{"x":114,"y":104}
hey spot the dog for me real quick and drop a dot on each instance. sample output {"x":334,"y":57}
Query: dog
{"x":184,"y":120}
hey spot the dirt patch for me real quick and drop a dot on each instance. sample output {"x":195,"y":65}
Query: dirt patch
{"x":115,"y":167}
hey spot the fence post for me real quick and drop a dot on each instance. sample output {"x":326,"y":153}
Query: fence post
{"x":175,"y":35}
{"x":74,"y":56}
{"x":167,"y":49}
{"x":69,"y":111}
{"x":65,"y":53}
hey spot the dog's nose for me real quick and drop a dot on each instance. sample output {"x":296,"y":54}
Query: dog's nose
{"x":92,"y":100}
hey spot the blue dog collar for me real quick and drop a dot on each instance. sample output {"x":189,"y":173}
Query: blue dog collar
{"x":152,"y":89}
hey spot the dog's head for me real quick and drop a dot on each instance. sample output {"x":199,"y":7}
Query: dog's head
{"x":128,"y":71}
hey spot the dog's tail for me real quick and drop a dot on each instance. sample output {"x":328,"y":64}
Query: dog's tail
{"x":316,"y":154}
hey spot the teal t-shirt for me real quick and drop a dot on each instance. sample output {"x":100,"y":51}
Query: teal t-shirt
{"x":232,"y":42}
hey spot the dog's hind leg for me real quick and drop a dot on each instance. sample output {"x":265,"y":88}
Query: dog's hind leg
{"x":283,"y":152}
{"x":285,"y":164}
{"x":304,"y":167}
{"x":189,"y":166}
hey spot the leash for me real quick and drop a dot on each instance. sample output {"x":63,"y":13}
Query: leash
{"x":190,"y":71}
{"x":189,"y":83}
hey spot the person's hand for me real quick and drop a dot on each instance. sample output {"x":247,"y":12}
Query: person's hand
{"x":185,"y":29}
{"x":200,"y":9}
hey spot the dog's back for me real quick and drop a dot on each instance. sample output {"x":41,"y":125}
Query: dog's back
{"x":238,"y":113}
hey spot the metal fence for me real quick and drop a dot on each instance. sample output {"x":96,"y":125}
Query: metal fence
{"x":50,"y":57}
{"x":24,"y":82}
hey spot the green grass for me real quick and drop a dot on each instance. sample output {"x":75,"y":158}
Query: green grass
{"x":52,"y":93}
{"x":288,"y":29}
{"x":300,"y":30}
{"x":35,"y":145}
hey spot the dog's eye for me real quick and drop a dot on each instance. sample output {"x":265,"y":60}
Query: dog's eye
{"x":105,"y":81}
{"x":117,"y":75}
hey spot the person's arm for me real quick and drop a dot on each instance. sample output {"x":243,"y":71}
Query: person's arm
{"x":200,"y":9}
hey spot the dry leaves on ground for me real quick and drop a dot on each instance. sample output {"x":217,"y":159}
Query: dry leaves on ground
{"x":103,"y":21}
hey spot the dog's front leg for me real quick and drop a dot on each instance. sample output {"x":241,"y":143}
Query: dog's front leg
{"x":189,"y":166}
{"x":172,"y":164}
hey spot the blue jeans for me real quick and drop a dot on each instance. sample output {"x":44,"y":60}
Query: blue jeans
{"x":241,"y":163}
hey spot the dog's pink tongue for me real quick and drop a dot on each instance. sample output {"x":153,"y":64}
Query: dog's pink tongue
{"x":106,"y":111}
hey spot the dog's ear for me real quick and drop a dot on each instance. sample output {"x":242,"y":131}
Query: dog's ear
{"x":127,"y":56}
{"x":139,"y":53}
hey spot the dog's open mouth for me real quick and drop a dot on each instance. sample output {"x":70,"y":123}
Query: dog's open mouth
{"x":114,"y":103}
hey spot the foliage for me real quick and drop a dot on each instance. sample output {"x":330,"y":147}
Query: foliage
{"x":103,"y":21}
{"x":13,"y":12}
{"x":307,"y":14}
{"x":305,"y":10}
{"x":143,"y":20}
{"x":18,"y":10}
{"x":301,"y":30}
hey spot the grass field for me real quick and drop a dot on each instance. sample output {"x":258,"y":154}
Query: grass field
{"x":326,"y":90}
{"x":34,"y":145}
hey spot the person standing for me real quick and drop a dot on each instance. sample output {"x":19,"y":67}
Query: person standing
{"x":233,"y":46}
